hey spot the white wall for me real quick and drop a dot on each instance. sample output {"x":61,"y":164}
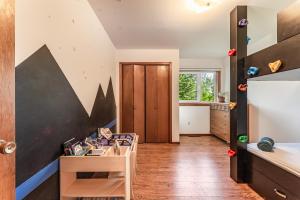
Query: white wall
{"x":274,"y":110}
{"x":204,"y":63}
{"x":215,"y":64}
{"x":76,"y":39}
{"x":154,"y":55}
{"x":194,"y":119}
{"x":262,"y":28}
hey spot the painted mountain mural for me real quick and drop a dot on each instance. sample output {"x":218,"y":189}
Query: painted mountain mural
{"x":48,"y":112}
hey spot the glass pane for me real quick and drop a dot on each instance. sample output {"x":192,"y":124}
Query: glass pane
{"x":207,"y":86}
{"x":188,"y":87}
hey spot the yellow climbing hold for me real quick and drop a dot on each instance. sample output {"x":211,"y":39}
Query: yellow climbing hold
{"x":275,"y":66}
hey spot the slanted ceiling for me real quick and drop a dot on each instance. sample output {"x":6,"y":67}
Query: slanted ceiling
{"x":165,"y":24}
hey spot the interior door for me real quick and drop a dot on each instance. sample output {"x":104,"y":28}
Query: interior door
{"x":127,"y":99}
{"x":7,"y":100}
{"x":139,"y":101}
{"x":157,"y":103}
{"x":133,"y":100}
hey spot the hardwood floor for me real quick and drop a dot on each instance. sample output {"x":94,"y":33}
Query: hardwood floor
{"x":196,"y":169}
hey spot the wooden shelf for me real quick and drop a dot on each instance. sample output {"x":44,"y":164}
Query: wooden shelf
{"x":287,"y":51}
{"x":115,"y":186}
{"x":96,"y":188}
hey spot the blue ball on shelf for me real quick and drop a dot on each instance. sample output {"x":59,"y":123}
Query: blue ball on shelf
{"x":266,"y":144}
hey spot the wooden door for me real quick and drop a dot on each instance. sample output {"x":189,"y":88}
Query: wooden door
{"x":157,"y":103}
{"x":139,"y":101}
{"x":133,"y":100}
{"x":7,"y":98}
{"x":127,"y":122}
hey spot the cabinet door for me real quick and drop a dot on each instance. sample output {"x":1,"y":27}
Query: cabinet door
{"x":157,"y":103}
{"x":220,"y":124}
{"x":212,"y":122}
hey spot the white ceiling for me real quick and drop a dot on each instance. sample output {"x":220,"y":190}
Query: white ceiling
{"x":163,"y":24}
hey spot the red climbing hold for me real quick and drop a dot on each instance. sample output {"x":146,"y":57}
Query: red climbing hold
{"x":232,"y":52}
{"x":231,"y":153}
{"x":242,"y":87}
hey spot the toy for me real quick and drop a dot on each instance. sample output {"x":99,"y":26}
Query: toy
{"x":232,"y":52}
{"x":253,"y":71}
{"x":243,"y":138}
{"x":242,"y":87}
{"x":266,"y":144}
{"x":275,"y":66}
{"x":231,"y":153}
{"x":243,"y":22}
{"x":105,"y":132}
{"x":116,"y":146}
{"x":232,"y":105}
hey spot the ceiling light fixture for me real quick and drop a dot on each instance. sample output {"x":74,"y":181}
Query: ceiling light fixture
{"x":200,"y":6}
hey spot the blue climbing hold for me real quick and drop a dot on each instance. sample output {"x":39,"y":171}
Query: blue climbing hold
{"x":253,"y":71}
{"x":248,"y":39}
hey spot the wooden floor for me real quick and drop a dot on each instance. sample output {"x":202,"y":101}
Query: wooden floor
{"x":198,"y":168}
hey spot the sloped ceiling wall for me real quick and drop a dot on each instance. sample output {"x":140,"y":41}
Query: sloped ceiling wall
{"x":76,"y":39}
{"x":65,"y":75}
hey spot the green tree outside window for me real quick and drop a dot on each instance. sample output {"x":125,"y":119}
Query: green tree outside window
{"x":197,"y":86}
{"x":207,"y":87}
{"x":187,"y":87}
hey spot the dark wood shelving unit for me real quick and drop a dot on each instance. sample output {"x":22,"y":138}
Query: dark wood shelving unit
{"x":238,"y":116}
{"x":288,"y":51}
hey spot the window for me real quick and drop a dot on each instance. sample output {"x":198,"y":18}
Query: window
{"x":198,"y":86}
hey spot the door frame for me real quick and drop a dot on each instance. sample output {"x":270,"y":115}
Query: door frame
{"x":169,"y":64}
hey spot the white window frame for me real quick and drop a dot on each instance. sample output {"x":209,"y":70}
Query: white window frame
{"x":199,"y":81}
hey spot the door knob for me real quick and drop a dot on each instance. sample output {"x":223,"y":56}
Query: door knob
{"x":7,"y":147}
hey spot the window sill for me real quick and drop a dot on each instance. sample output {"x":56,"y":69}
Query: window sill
{"x":199,"y":103}
{"x":194,"y":103}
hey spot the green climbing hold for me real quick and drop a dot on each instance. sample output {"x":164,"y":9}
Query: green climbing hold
{"x":243,"y":138}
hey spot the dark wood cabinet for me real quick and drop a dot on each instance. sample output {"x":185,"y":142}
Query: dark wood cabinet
{"x":270,"y":181}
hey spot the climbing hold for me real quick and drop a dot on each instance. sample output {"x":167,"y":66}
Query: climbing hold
{"x":242,"y":87}
{"x":275,"y":66}
{"x":243,"y":138}
{"x":252,"y":71}
{"x":232,"y":52}
{"x":248,"y":39}
{"x":243,"y":22}
{"x":231,"y":153}
{"x":266,"y":144}
{"x":232,"y":105}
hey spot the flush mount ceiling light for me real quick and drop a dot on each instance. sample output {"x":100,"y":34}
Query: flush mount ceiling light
{"x":200,"y":6}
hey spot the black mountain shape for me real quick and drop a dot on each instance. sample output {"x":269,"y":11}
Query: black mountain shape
{"x":48,"y":112}
{"x":104,"y":109}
